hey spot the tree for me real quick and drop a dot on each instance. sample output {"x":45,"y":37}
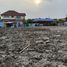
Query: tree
{"x":29,"y":21}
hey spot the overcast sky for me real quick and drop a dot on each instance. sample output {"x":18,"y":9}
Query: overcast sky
{"x":47,"y":8}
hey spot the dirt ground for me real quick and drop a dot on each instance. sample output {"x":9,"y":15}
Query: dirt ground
{"x":36,"y":47}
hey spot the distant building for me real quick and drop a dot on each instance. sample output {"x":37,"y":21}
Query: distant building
{"x":61,"y":22}
{"x":13,"y":18}
{"x":42,"y":21}
{"x":65,"y":23}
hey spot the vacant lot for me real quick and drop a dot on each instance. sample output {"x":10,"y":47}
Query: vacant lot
{"x":39,"y":47}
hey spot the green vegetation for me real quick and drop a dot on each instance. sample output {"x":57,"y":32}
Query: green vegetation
{"x":28,"y":22}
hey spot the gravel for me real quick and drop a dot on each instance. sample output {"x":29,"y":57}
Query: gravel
{"x":45,"y":47}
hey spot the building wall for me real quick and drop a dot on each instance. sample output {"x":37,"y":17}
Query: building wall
{"x":17,"y":20}
{"x":1,"y":24}
{"x":12,"y":17}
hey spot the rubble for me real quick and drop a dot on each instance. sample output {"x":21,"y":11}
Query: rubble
{"x":27,"y":48}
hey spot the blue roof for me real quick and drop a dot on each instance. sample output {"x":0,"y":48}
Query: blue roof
{"x":43,"y":19}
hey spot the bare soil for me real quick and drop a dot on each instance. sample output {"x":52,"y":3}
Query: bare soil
{"x":35,"y":47}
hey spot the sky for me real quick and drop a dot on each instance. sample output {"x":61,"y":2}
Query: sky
{"x":45,"y":8}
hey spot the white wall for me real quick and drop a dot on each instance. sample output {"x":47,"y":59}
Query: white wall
{"x":10,"y":17}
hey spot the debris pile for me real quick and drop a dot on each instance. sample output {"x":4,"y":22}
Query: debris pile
{"x":27,"y":48}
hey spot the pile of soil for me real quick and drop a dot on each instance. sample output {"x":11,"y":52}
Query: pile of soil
{"x":33,"y":48}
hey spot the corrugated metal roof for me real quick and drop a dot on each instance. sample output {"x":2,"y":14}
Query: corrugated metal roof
{"x":43,"y":19}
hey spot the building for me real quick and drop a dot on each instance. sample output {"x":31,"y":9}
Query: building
{"x":13,"y":18}
{"x":43,"y":21}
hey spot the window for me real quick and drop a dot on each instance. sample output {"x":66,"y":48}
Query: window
{"x":12,"y":16}
{"x":18,"y":16}
{"x":6,"y":16}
